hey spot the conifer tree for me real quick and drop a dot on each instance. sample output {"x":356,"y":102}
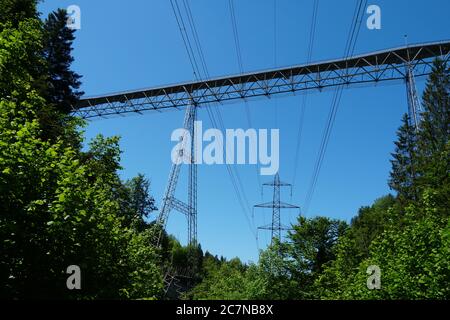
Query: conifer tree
{"x":403,"y":173}
{"x":435,"y":126}
{"x":64,"y":83}
{"x":433,"y":142}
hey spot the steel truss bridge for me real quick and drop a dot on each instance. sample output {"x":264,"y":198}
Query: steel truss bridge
{"x":372,"y":68}
{"x":404,"y":63}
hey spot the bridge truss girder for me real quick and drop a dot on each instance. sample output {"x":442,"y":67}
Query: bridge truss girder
{"x":383,"y":66}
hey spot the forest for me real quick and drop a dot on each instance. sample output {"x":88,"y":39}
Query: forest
{"x":63,"y":203}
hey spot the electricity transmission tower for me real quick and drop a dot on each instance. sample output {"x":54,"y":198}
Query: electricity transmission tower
{"x":414,"y":104}
{"x":276,"y":205}
{"x":186,"y":155}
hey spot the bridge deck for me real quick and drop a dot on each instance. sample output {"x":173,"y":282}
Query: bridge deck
{"x":373,"y":67}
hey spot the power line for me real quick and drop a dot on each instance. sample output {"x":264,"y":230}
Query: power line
{"x":233,"y":174}
{"x":196,"y":37}
{"x":350,"y":45}
{"x":238,"y":52}
{"x":236,"y":35}
{"x":275,"y":56}
{"x":186,"y":41}
{"x":331,"y":116}
{"x":349,"y":50}
{"x":312,"y":34}
{"x":241,"y":70}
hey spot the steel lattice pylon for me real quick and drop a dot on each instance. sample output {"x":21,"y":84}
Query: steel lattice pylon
{"x":414,"y":105}
{"x":169,"y":200}
{"x":276,"y":205}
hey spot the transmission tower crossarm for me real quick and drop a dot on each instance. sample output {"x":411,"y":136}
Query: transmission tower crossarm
{"x":269,"y":227}
{"x":284,"y":205}
{"x":279,"y":183}
{"x":281,"y":205}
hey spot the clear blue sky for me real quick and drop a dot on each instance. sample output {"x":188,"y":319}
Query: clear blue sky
{"x":134,"y":44}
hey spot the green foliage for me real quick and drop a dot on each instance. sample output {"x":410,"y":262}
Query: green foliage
{"x":411,"y":244}
{"x":273,"y":274}
{"x":15,"y":11}
{"x":137,"y":204}
{"x":289,"y":269}
{"x":351,"y":249}
{"x":284,"y":271}
{"x":145,"y":276}
{"x":312,"y":242}
{"x":58,"y":205}
{"x":188,"y":258}
{"x":369,"y":224}
{"x":417,"y":266}
{"x":229,"y":280}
